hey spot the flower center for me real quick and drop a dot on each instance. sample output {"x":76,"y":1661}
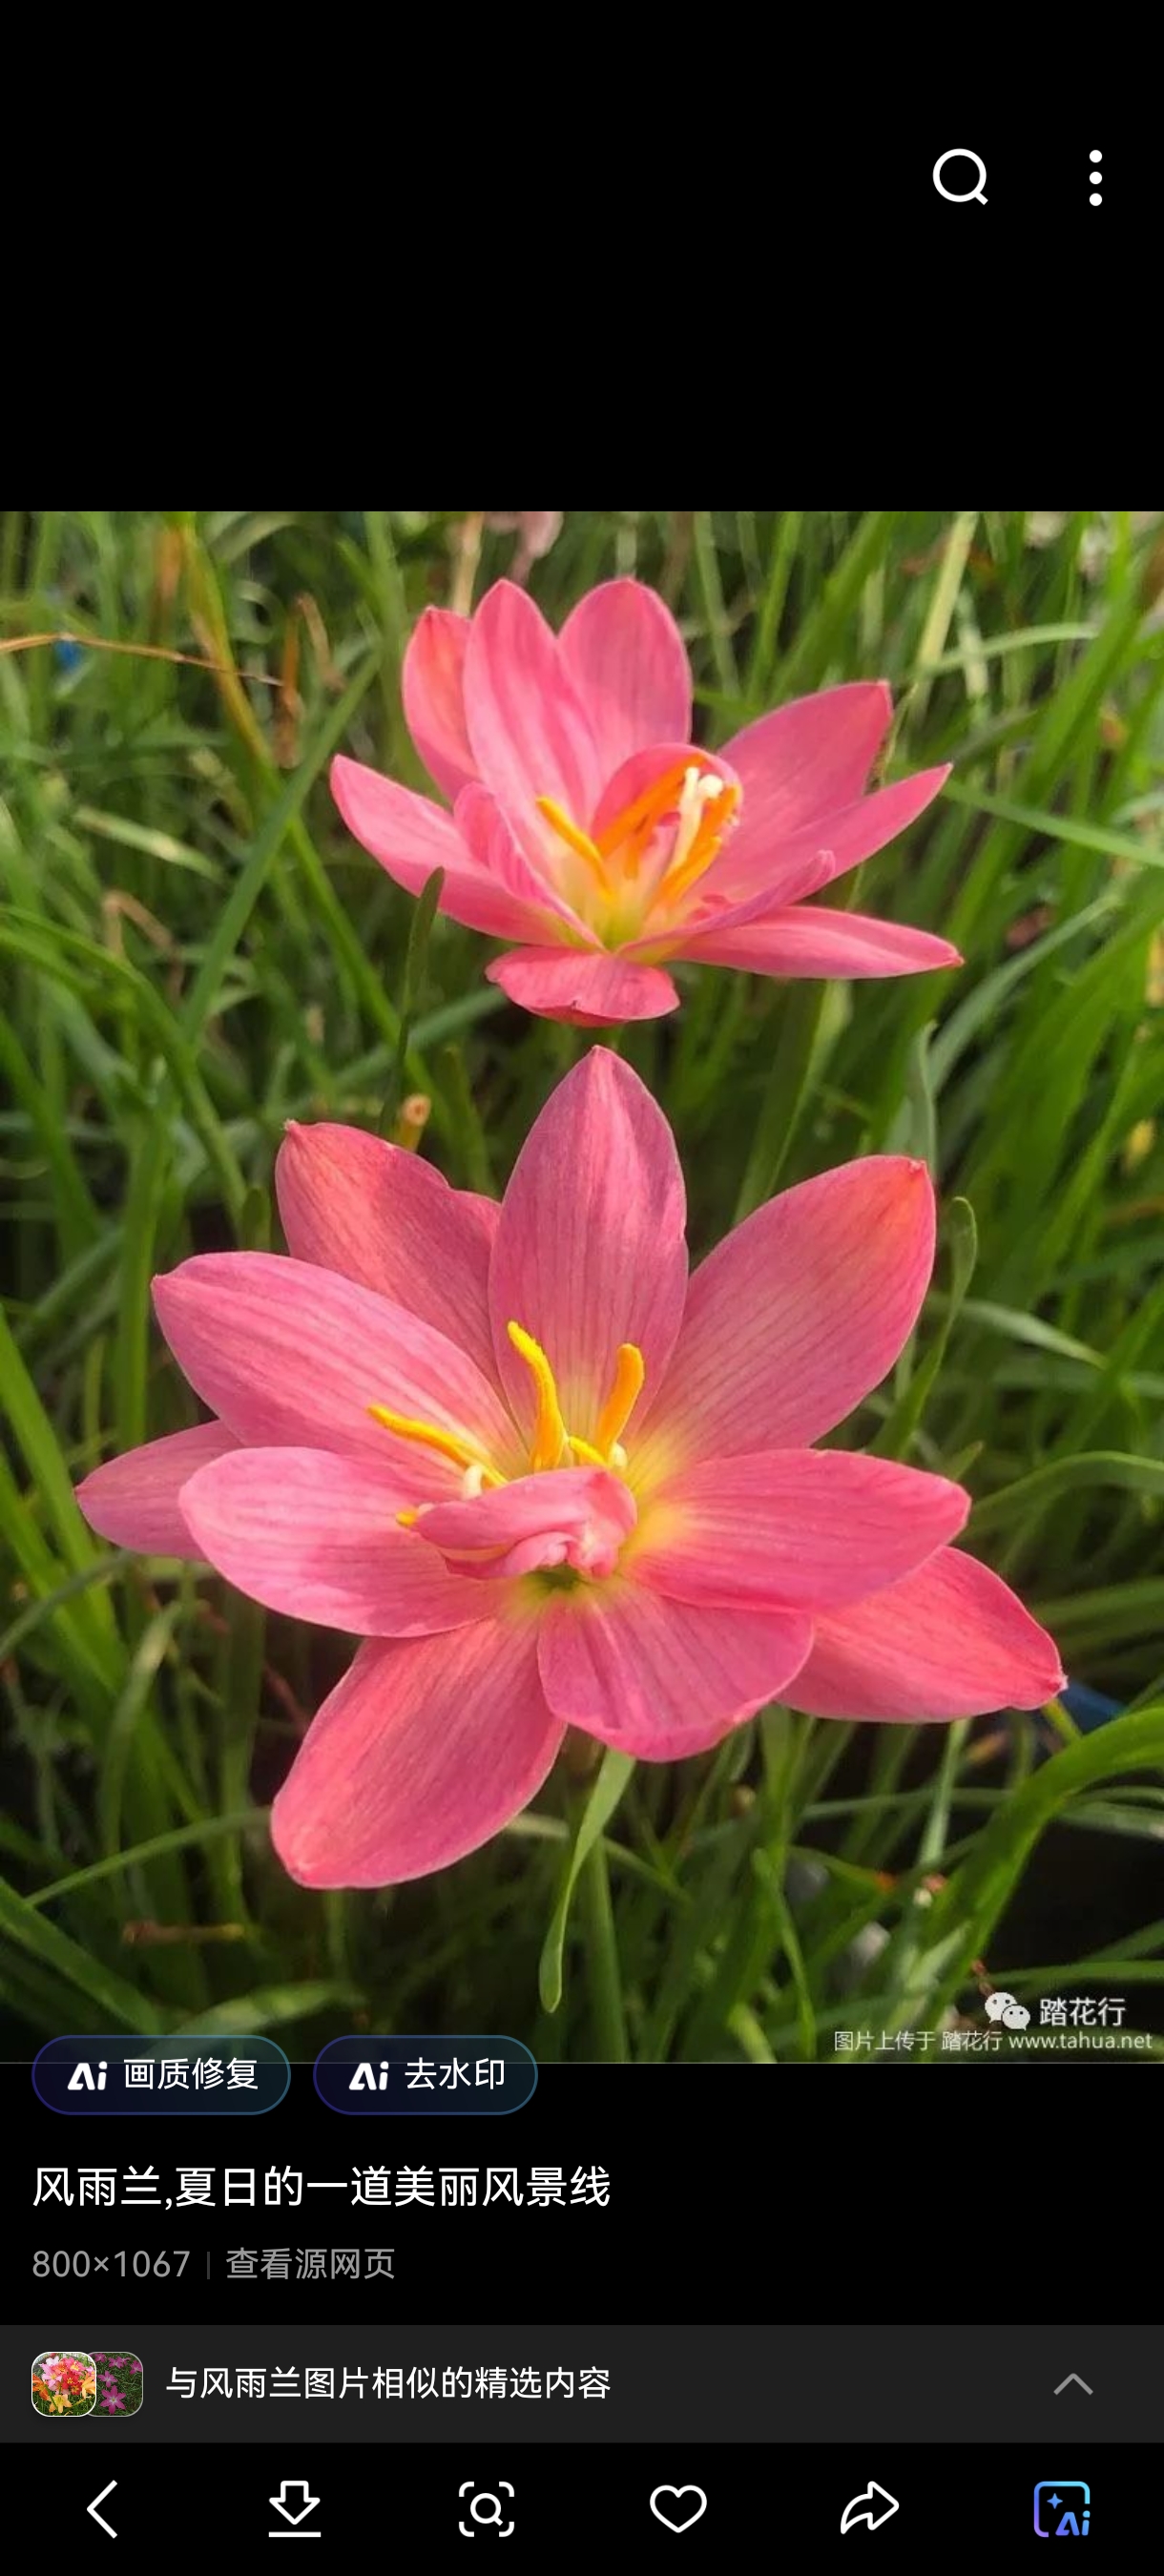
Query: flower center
{"x":551,"y":1444}
{"x":654,"y":850}
{"x":549,"y":1519}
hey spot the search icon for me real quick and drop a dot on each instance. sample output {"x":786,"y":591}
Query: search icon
{"x":485,"y":2521}
{"x":961,"y":196}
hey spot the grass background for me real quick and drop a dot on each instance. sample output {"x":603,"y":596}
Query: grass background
{"x":192,"y":950}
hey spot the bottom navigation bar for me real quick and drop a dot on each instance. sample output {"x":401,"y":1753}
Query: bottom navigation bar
{"x":915,"y":2502}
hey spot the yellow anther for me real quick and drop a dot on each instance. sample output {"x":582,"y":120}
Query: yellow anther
{"x":408,"y":1520}
{"x":575,"y":839}
{"x":642,"y":816}
{"x":549,"y":1437}
{"x":585,"y":1455}
{"x":428,"y":1435}
{"x":629,"y":1373}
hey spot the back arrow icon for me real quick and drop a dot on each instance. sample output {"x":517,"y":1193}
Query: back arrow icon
{"x":873,"y":2507}
{"x":99,"y":2517}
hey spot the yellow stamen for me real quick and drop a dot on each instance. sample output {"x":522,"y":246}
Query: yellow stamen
{"x":447,"y":1444}
{"x":549,"y":1437}
{"x":585,"y":1455}
{"x":716,"y":815}
{"x":575,"y":839}
{"x":646,"y":810}
{"x":408,"y":1520}
{"x":624,"y":1395}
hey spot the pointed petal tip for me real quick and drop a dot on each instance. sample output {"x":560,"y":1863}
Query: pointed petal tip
{"x":910,"y":1172}
{"x":341,"y":779}
{"x":1036,"y":1688}
{"x":499,"y":595}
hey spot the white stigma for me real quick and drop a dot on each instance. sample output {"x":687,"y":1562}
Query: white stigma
{"x":700,"y":788}
{"x":472,"y":1483}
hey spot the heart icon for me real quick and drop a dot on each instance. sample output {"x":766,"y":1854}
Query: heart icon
{"x":683,"y":2506}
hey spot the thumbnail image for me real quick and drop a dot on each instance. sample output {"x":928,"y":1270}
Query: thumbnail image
{"x":64,"y":2383}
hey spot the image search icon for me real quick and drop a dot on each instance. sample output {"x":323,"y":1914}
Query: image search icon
{"x":1062,"y":2509}
{"x":961,"y":196}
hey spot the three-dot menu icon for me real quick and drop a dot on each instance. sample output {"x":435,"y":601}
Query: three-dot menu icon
{"x":1096,"y":176}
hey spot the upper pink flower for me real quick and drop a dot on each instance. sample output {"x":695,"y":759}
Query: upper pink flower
{"x":587,"y":827}
{"x":553,"y":1482}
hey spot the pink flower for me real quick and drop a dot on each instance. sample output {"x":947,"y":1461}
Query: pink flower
{"x":587,"y":828}
{"x":550,"y":1482}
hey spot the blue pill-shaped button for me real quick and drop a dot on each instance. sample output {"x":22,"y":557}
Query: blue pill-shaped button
{"x":413,"y":2074}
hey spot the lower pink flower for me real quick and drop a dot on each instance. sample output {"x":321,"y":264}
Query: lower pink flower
{"x":551,"y":1481}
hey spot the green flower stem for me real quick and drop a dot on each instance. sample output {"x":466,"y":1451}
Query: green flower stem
{"x":602,"y":1960}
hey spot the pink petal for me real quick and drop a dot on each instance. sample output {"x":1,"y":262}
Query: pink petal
{"x":410,"y":836}
{"x":806,"y":1529}
{"x":751,"y":860}
{"x":134,"y":1500}
{"x":591,"y":988}
{"x":517,"y":869}
{"x":530,"y":733}
{"x":590,"y":1249}
{"x":796,"y":1315}
{"x":316,"y":1535}
{"x":678,"y":932}
{"x":816,"y":940}
{"x":948,"y":1641}
{"x":424,"y":1751}
{"x":626,"y":657}
{"x":353,"y":1203}
{"x":807,"y":759}
{"x":576,"y":1516}
{"x":432,"y":685}
{"x":662,"y":1678}
{"x":296,"y":1355}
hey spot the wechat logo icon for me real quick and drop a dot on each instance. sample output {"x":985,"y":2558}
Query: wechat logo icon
{"x":1004,"y":2008}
